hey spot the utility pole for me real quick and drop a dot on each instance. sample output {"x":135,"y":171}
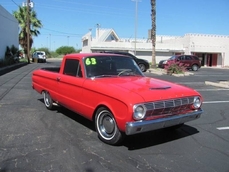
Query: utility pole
{"x":28,"y":31}
{"x":98,"y":25}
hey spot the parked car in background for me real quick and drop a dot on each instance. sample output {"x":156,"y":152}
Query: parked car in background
{"x":190,"y":61}
{"x":143,"y":64}
{"x":39,"y":56}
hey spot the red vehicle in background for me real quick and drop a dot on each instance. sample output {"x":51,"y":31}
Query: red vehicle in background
{"x":112,"y":91}
{"x":189,"y":61}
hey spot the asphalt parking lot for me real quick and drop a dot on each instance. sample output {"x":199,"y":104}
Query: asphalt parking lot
{"x":36,"y":139}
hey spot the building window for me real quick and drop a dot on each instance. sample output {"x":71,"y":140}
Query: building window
{"x":85,"y":43}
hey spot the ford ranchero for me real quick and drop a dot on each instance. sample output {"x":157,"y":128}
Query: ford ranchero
{"x":111,"y":91}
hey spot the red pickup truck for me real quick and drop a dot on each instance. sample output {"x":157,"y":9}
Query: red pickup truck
{"x":112,"y":91}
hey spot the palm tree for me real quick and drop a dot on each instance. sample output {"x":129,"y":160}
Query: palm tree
{"x":153,"y":32}
{"x":35,"y":24}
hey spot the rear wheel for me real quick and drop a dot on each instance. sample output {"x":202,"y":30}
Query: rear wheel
{"x":106,"y":127}
{"x":47,"y":100}
{"x":195,"y":67}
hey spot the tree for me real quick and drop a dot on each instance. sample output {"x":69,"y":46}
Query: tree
{"x":35,"y":24}
{"x":153,"y":32}
{"x":65,"y":50}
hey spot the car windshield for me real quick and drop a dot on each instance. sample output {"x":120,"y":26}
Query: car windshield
{"x":172,"y":58}
{"x":110,"y":66}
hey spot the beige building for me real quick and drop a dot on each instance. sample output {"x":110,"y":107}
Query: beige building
{"x":213,"y":50}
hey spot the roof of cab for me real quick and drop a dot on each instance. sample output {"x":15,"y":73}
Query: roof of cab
{"x":82,"y":55}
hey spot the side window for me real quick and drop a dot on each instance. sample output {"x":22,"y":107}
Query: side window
{"x":181,"y":58}
{"x":188,"y":58}
{"x":72,"y":68}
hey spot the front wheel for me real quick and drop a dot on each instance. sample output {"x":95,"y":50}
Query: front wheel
{"x":106,"y":127}
{"x":195,"y":67}
{"x":48,"y":100}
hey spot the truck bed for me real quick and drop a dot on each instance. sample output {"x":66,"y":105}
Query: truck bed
{"x":51,"y":69}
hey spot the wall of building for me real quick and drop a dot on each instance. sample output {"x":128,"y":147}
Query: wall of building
{"x":9,"y":30}
{"x":216,"y":46}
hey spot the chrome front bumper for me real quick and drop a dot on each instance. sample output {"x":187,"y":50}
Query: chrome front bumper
{"x":144,"y":126}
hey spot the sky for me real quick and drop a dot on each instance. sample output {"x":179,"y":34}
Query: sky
{"x":66,"y":21}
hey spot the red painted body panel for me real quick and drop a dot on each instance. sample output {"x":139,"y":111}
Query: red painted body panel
{"x":119,"y":94}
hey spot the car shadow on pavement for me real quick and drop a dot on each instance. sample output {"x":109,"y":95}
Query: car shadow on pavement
{"x":137,"y":141}
{"x":158,"y":137}
{"x":74,"y":116}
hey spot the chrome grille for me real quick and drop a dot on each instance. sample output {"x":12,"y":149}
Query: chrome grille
{"x":173,"y":106}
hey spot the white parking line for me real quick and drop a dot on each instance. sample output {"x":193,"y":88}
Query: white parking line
{"x":223,"y":128}
{"x":214,"y":89}
{"x":208,"y":102}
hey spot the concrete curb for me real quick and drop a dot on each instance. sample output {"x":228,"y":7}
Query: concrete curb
{"x":162,"y":72}
{"x":222,"y":84}
{"x":4,"y":70}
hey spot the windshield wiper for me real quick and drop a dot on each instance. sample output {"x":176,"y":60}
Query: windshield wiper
{"x":102,"y":76}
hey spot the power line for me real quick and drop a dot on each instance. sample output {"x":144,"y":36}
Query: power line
{"x":47,"y":34}
{"x":62,"y":32}
{"x":15,"y":3}
{"x":106,"y":11}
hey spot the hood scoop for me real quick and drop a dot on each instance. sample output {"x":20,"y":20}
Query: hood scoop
{"x":160,"y":88}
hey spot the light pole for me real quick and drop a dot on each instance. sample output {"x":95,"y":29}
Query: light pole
{"x":136,"y":24}
{"x":50,"y":44}
{"x":68,"y":40}
{"x":53,"y":45}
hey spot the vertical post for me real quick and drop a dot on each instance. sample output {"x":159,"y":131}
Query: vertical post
{"x":136,"y":25}
{"x":68,"y":40}
{"x":50,"y":44}
{"x":28,"y":30}
{"x":98,"y":25}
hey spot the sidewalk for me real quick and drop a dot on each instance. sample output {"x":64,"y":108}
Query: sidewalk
{"x":222,"y":84}
{"x":4,"y":70}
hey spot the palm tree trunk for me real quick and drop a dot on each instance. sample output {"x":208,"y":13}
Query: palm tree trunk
{"x":153,"y":32}
{"x":28,"y":31}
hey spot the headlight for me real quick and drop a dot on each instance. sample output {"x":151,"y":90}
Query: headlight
{"x":196,"y":102}
{"x":139,"y":112}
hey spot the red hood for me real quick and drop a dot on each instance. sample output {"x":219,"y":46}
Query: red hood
{"x":149,"y":89}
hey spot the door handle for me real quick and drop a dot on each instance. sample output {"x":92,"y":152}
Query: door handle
{"x":58,"y":78}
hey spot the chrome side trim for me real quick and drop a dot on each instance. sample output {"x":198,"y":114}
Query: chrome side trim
{"x":144,"y":126}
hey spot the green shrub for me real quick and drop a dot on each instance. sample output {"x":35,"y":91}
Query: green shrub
{"x":175,"y":68}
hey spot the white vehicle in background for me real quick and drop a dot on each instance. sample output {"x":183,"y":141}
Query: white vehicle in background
{"x":39,"y":56}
